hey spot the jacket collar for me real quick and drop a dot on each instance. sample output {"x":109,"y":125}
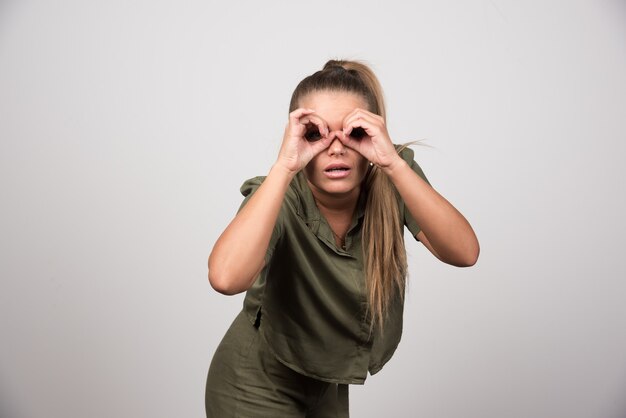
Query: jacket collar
{"x":309,"y":212}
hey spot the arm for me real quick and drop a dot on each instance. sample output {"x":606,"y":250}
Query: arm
{"x":444,"y":230}
{"x":239,"y":253}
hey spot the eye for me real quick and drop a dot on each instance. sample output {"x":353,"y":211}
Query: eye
{"x":312,"y":134}
{"x":358,"y":133}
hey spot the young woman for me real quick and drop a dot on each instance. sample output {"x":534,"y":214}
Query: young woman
{"x":318,"y":246}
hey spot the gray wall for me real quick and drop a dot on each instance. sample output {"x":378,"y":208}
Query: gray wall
{"x":126,"y":129}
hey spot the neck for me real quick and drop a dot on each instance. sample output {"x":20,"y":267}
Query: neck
{"x":338,"y":210}
{"x":335,"y":205}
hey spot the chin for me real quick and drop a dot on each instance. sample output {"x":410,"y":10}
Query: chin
{"x":338,"y":188}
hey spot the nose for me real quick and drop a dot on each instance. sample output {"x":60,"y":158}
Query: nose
{"x":336,"y":147}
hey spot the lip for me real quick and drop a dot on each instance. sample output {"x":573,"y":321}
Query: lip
{"x":331,"y":171}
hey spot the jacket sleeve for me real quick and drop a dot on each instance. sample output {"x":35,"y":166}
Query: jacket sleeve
{"x":407,"y":155}
{"x":247,"y":190}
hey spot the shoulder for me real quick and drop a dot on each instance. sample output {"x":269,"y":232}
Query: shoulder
{"x":251,"y":185}
{"x":405,"y":152}
{"x":408,"y":155}
{"x":295,"y":195}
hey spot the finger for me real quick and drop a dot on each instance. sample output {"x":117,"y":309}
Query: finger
{"x":350,"y":142}
{"x":321,"y":145}
{"x":301,"y":111}
{"x":365,"y":114}
{"x":298,"y":113}
{"x":354,"y":121}
{"x":317,"y":121}
{"x":359,"y":119}
{"x":370,"y":128}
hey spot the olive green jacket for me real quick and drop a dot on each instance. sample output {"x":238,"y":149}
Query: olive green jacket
{"x":310,"y":298}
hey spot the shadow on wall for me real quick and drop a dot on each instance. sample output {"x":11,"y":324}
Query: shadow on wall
{"x":7,"y":409}
{"x":7,"y":9}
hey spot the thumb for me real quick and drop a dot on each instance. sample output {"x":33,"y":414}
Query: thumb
{"x":321,"y":145}
{"x":349,"y":142}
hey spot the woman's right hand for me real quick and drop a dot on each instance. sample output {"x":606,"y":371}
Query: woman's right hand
{"x":248,"y":235}
{"x":297,"y":150}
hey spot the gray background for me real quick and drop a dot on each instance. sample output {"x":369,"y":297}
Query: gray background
{"x":127,"y":128}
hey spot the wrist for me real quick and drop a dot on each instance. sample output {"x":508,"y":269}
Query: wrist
{"x":396,"y":165}
{"x":282,"y":171}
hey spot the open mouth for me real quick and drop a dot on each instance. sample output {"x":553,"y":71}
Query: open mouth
{"x":337,"y":171}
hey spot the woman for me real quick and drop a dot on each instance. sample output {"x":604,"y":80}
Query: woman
{"x":318,"y":246}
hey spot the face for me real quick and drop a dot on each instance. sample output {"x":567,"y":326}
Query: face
{"x":338,"y":170}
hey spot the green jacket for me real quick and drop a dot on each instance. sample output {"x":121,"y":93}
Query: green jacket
{"x":310,"y":298}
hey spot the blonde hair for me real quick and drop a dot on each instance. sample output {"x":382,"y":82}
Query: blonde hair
{"x":384,"y":253}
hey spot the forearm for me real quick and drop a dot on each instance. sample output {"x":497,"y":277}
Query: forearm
{"x":447,"y":230}
{"x":239,"y":253}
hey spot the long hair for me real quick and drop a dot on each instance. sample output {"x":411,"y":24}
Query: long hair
{"x":384,"y":253}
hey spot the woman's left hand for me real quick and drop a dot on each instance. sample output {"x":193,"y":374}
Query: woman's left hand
{"x":374,"y":143}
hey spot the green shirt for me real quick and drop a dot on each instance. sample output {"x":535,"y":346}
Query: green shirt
{"x":311,"y":295}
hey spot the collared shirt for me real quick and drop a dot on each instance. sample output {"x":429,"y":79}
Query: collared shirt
{"x":311,"y":296}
